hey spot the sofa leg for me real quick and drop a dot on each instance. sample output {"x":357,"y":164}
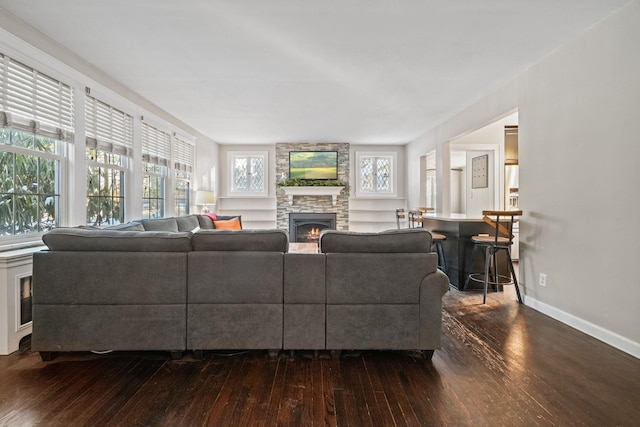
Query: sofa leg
{"x":198,"y":354}
{"x":273,"y":354}
{"x":176,"y":355}
{"x":48,"y":356}
{"x":427,"y":354}
{"x":335,"y":354}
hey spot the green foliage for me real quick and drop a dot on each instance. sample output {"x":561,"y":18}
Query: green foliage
{"x":297,"y":182}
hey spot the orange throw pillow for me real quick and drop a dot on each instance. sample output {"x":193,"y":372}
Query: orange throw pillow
{"x":229,"y":224}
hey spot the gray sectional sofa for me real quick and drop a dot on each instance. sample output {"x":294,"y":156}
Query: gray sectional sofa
{"x":177,"y":284}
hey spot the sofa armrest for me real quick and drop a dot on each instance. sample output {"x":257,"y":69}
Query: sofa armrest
{"x":432,"y":289}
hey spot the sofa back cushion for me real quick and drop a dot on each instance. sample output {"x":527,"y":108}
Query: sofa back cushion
{"x":377,"y":278}
{"x":160,"y":224}
{"x":188,"y":223}
{"x":241,"y":240}
{"x":87,"y":239}
{"x":415,"y":240}
{"x":127,"y":226}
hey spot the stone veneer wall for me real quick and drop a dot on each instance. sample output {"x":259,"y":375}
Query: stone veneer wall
{"x":312,"y":203}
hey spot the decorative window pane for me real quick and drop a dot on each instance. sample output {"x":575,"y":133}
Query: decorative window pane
{"x":376,"y":173}
{"x":248,"y":173}
{"x":383,"y":170}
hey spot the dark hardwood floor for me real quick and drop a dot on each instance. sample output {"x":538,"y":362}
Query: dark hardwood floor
{"x":501,"y":364}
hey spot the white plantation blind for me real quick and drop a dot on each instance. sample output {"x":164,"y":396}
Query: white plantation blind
{"x":34,"y":102}
{"x":156,"y":145}
{"x":108,"y":128}
{"x":183,"y":155}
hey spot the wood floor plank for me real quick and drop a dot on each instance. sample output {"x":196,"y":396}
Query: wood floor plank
{"x":329,"y":373}
{"x":501,"y":363}
{"x":214,"y":374}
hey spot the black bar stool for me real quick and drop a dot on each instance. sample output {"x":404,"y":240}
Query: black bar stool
{"x":501,"y":240}
{"x":436,"y":238}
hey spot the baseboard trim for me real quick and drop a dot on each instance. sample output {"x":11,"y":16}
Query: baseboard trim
{"x":604,"y":335}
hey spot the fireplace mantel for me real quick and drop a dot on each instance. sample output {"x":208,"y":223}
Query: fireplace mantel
{"x":334,"y":192}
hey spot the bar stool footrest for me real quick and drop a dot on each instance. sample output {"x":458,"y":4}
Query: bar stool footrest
{"x":498,"y":279}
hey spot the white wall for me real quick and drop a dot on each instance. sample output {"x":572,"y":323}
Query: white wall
{"x":578,"y":146}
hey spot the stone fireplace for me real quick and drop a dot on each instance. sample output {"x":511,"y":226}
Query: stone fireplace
{"x":307,"y":226}
{"x":337,"y":206}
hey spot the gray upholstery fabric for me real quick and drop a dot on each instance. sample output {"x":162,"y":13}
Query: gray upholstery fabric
{"x":234,"y":326}
{"x":357,"y":278}
{"x":392,"y":241}
{"x":205,"y":222}
{"x":188,"y":223}
{"x":80,"y":239}
{"x":127,"y":226}
{"x":241,"y":240}
{"x":304,"y":278}
{"x":433,"y":287}
{"x":383,"y":290}
{"x":76,"y":327}
{"x":145,"y":278}
{"x":235,"y":277}
{"x":304,"y":327}
{"x":160,"y":224}
{"x":377,"y":326}
{"x":98,"y":289}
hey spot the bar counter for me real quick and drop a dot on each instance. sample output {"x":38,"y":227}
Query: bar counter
{"x":458,"y":246}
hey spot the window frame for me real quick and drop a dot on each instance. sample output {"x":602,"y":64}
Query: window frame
{"x":59,"y":156}
{"x":163,"y":175}
{"x":231,"y":156}
{"x":393,"y":190}
{"x":123,"y":169}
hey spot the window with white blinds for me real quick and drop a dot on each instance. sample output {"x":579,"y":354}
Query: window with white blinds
{"x":183,"y":155}
{"x":107,"y":128}
{"x":34,"y":102}
{"x":156,"y":145}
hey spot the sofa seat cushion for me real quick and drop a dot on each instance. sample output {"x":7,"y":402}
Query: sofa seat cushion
{"x":241,"y":240}
{"x":414,"y":240}
{"x":83,"y":239}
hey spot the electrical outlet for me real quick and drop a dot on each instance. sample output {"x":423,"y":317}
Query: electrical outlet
{"x":543,"y":279}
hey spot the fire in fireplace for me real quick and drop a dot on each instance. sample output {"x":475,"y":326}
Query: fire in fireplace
{"x":306,"y":227}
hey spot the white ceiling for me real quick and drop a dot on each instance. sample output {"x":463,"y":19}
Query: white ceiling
{"x":360,"y":71}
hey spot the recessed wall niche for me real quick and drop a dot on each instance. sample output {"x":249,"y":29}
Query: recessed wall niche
{"x":317,"y":204}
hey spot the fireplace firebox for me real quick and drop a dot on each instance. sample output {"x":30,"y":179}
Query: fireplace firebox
{"x":306,"y":227}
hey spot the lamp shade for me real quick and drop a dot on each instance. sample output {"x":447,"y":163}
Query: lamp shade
{"x":205,"y":197}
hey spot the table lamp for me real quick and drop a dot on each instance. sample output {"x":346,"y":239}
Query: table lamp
{"x":205,"y":198}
